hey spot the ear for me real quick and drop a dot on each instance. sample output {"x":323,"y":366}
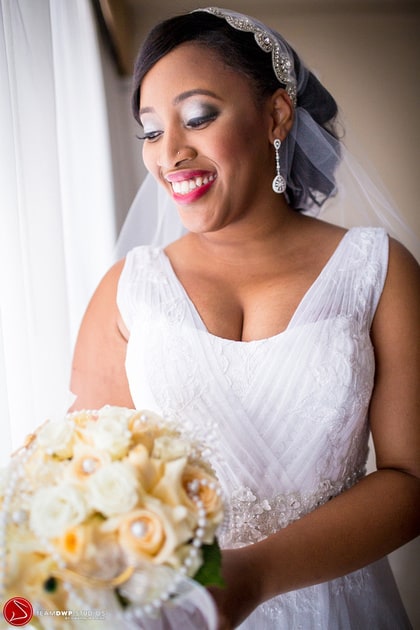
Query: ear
{"x":281,"y":115}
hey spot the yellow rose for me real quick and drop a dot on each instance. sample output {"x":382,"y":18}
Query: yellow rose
{"x":86,"y":462}
{"x":182,"y":481}
{"x":147,"y":428}
{"x":73,"y":544}
{"x":90,"y":551}
{"x":153,"y":533}
{"x":82,"y":418}
{"x":148,"y":470}
{"x":197,"y":483}
{"x":169,"y":488}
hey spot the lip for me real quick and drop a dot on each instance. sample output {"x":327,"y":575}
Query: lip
{"x":184,"y":175}
{"x":179,"y":176}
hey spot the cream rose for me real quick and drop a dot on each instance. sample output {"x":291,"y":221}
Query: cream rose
{"x":154,"y":532}
{"x":114,"y":489}
{"x":148,"y":470}
{"x":169,"y":488}
{"x":53,"y":510}
{"x":72,"y":545}
{"x":86,"y":462}
{"x":205,"y":487}
{"x":197,"y":483}
{"x":167,"y":447}
{"x":110,"y":432}
{"x":56,"y":438}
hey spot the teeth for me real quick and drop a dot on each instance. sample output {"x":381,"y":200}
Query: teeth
{"x":186,"y":186}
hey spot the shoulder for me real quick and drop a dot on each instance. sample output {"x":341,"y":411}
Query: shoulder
{"x":102,"y":306}
{"x":403,"y":271}
{"x":401,"y":261}
{"x":106,"y":291}
{"x":398,"y":311}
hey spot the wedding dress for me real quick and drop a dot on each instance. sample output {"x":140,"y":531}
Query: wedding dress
{"x":285,"y":418}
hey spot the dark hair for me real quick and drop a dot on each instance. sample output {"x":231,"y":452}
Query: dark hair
{"x":239,"y":51}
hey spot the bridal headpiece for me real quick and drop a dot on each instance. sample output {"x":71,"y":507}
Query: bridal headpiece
{"x":268,"y":42}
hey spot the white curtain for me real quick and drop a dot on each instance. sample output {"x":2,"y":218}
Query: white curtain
{"x":57,"y":228}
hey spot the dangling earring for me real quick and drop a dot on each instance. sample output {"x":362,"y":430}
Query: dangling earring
{"x":279,"y":183}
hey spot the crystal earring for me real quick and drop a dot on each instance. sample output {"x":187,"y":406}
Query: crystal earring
{"x":279,"y":183}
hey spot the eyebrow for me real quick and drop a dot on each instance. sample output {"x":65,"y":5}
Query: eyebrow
{"x":182,"y":97}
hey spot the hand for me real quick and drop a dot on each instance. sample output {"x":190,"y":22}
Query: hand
{"x":241,"y":595}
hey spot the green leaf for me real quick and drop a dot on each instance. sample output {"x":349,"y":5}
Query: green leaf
{"x":209,"y":574}
{"x":50,"y":585}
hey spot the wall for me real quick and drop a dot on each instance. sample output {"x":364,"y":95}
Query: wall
{"x":370,"y":61}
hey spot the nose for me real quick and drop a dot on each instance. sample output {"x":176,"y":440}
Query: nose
{"x":174,"y":150}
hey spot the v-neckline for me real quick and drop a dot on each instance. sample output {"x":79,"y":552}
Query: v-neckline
{"x":305,"y":297}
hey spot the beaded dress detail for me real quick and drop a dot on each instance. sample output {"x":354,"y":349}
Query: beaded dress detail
{"x":285,"y":418}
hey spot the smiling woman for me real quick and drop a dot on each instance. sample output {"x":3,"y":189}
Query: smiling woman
{"x":278,"y":339}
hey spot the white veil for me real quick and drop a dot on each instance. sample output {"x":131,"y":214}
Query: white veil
{"x":354,"y":194}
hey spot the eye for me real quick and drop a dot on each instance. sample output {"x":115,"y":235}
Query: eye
{"x":201,"y":121}
{"x":150,"y":136}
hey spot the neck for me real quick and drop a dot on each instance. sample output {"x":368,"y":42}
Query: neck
{"x":268,"y":233}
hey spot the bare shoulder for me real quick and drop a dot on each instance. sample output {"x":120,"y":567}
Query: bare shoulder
{"x":109,"y":283}
{"x":401,"y":261}
{"x":402,"y":284}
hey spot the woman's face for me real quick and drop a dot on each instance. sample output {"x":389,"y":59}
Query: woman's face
{"x":206,"y":140}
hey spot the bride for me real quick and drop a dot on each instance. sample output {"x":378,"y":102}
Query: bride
{"x":278,"y":338}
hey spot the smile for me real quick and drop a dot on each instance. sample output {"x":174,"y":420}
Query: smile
{"x":188,"y":185}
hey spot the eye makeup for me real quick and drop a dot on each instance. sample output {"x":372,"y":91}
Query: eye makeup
{"x":194,"y":115}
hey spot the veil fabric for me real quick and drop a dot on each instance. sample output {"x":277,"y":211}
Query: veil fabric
{"x":353,"y":194}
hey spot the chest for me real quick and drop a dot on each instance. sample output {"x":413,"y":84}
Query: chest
{"x":247,"y":306}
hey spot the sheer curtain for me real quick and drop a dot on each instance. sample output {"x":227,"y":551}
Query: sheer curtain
{"x":57,"y":228}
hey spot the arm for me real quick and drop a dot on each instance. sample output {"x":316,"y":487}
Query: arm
{"x":98,"y":372}
{"x":381,"y":512}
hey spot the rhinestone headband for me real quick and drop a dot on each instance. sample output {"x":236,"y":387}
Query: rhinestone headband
{"x":282,"y":62}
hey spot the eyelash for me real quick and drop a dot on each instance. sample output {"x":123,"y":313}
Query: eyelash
{"x":153,"y":135}
{"x":201,"y":120}
{"x":194,"y":123}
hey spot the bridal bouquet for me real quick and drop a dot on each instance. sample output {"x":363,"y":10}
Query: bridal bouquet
{"x":110,"y":515}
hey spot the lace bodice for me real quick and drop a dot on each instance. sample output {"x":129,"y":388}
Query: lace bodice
{"x":285,"y":418}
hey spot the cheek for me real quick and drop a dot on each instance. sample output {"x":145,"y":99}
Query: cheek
{"x":241,"y":143}
{"x":149,"y":158}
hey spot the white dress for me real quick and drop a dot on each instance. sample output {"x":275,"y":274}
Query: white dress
{"x":285,"y":417}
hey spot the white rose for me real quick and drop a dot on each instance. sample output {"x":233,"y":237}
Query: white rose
{"x":53,"y":510}
{"x":110,"y":432}
{"x":56,"y":438}
{"x":169,"y":447}
{"x":113,"y":489}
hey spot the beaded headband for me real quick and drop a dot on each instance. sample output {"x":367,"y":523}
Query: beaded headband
{"x":267,"y":41}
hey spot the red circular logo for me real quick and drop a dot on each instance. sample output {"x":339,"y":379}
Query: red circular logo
{"x":18,"y":611}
